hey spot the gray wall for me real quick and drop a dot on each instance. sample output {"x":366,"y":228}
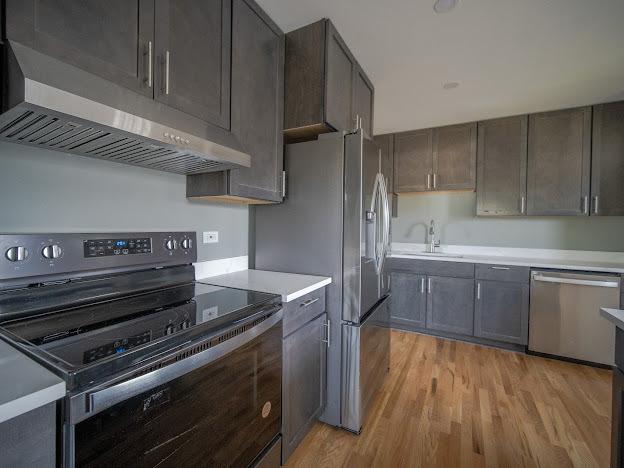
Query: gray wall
{"x":45,"y":191}
{"x":457,"y":223}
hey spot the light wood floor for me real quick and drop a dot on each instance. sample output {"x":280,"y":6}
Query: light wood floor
{"x":453,"y":404}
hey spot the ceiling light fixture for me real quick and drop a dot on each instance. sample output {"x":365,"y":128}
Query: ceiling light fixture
{"x":442,"y":6}
{"x":450,"y":85}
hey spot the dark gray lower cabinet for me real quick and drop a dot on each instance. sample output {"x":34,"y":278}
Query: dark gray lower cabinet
{"x":502,"y":311}
{"x":450,"y":304}
{"x":303,"y":381}
{"x":408,"y":302}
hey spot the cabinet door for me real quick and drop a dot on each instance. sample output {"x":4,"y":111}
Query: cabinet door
{"x":450,"y":304}
{"x":413,"y":161}
{"x":502,"y":311}
{"x":363,"y":98}
{"x":607,"y":189}
{"x":257,"y":101}
{"x":559,"y":162}
{"x":408,"y":301}
{"x":339,"y":70}
{"x":303,"y":382}
{"x":108,"y":39}
{"x":455,"y":157}
{"x":501,"y":166}
{"x":193,"y":51}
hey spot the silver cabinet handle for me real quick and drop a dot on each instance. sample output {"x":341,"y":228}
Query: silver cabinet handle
{"x":435,"y":180}
{"x":586,"y":204}
{"x":150,"y":66}
{"x":328,"y":340}
{"x":522,"y":204}
{"x":167,"y":60}
{"x":422,"y":285}
{"x":478,"y":291}
{"x":596,"y":204}
{"x":308,"y":302}
{"x":429,"y":285}
{"x":428,"y":181}
{"x":499,"y":268}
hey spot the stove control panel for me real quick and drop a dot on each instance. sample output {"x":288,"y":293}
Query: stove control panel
{"x":37,"y":258}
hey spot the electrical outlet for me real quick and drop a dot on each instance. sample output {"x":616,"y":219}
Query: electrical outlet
{"x":211,"y":237}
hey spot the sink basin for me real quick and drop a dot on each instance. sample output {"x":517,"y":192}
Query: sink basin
{"x":430,"y":254}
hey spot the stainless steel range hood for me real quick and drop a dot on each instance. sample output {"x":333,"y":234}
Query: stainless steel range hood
{"x":50,"y":104}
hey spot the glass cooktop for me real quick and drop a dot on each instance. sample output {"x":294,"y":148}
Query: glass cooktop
{"x":86,"y":343}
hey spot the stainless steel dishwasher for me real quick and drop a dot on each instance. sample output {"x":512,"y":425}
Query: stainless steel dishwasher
{"x":565,"y":315}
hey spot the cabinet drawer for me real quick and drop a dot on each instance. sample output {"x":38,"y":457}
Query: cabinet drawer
{"x":302,"y":310}
{"x":433,"y":267}
{"x":516,"y":274}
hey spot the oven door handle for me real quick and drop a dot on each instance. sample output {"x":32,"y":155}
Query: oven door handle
{"x":86,"y":404}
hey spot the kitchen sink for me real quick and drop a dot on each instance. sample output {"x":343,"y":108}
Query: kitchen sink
{"x":430,"y":254}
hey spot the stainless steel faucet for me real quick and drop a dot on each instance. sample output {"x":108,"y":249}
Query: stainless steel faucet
{"x":433,"y":244}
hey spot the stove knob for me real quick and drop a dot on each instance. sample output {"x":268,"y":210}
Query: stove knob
{"x":169,"y":330}
{"x":171,"y":244}
{"x":185,"y":324}
{"x":16,"y":254}
{"x":51,"y":251}
{"x":187,"y":243}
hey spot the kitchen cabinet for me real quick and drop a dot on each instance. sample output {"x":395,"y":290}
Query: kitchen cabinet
{"x":108,"y":39}
{"x":413,"y":161}
{"x":325,"y":89}
{"x":607,"y":173}
{"x":502,"y":311}
{"x":386,"y":146}
{"x":408,"y":302}
{"x":257,"y":112}
{"x":502,"y":166}
{"x":454,"y":157}
{"x":303,"y":381}
{"x":450,"y":304}
{"x":559,"y":162}
{"x":30,"y":438}
{"x":192,"y":57}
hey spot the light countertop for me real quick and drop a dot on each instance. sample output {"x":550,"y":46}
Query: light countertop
{"x":288,"y":285}
{"x":613,"y":315}
{"x":607,"y":262}
{"x":25,"y":384}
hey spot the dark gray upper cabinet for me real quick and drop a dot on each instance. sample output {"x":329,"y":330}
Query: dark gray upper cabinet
{"x":303,"y":382}
{"x":454,"y":157}
{"x":408,"y":301}
{"x":325,"y":88}
{"x":450,"y":304}
{"x":109,"y":39}
{"x":501,"y":166}
{"x":502,"y":311}
{"x":192,"y":57}
{"x":559,"y":162}
{"x":413,"y":161}
{"x":257,"y":101}
{"x":363,"y":100}
{"x":607,"y":187}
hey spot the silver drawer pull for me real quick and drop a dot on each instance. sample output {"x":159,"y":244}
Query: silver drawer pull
{"x":309,"y":302}
{"x":328,"y":325}
{"x":499,"y":268}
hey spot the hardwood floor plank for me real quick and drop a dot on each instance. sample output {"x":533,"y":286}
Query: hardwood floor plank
{"x":452,"y":404}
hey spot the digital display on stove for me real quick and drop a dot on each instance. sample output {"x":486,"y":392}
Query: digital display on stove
{"x":115,"y":347}
{"x":111,"y":247}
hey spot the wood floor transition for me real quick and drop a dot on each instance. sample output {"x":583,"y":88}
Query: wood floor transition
{"x":452,"y":404}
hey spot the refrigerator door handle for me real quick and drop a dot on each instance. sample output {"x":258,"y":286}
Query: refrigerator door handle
{"x":378,"y":253}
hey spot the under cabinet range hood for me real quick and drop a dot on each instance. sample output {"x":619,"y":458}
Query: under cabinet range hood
{"x":49,"y":104}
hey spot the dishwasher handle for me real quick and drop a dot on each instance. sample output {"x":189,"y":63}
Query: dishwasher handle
{"x":580,"y":282}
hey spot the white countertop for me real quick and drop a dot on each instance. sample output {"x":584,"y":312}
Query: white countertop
{"x":613,"y":315}
{"x":25,"y":384}
{"x":607,"y":262}
{"x":288,"y":285}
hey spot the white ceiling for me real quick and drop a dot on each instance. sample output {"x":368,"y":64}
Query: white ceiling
{"x":510,"y":56}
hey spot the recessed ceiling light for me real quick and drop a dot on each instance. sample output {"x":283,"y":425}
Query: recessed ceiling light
{"x":442,"y":6}
{"x":450,"y":85}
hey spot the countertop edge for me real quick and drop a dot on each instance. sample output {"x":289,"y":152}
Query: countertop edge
{"x":304,"y":291}
{"x":31,"y":401}
{"x":615,"y":316}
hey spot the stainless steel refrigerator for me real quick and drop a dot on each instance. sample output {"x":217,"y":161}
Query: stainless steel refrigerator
{"x":335,"y":221}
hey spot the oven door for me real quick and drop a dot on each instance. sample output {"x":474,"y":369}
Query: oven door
{"x":218,"y":407}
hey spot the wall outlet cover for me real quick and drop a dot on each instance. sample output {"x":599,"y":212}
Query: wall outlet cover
{"x":211,"y":237}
